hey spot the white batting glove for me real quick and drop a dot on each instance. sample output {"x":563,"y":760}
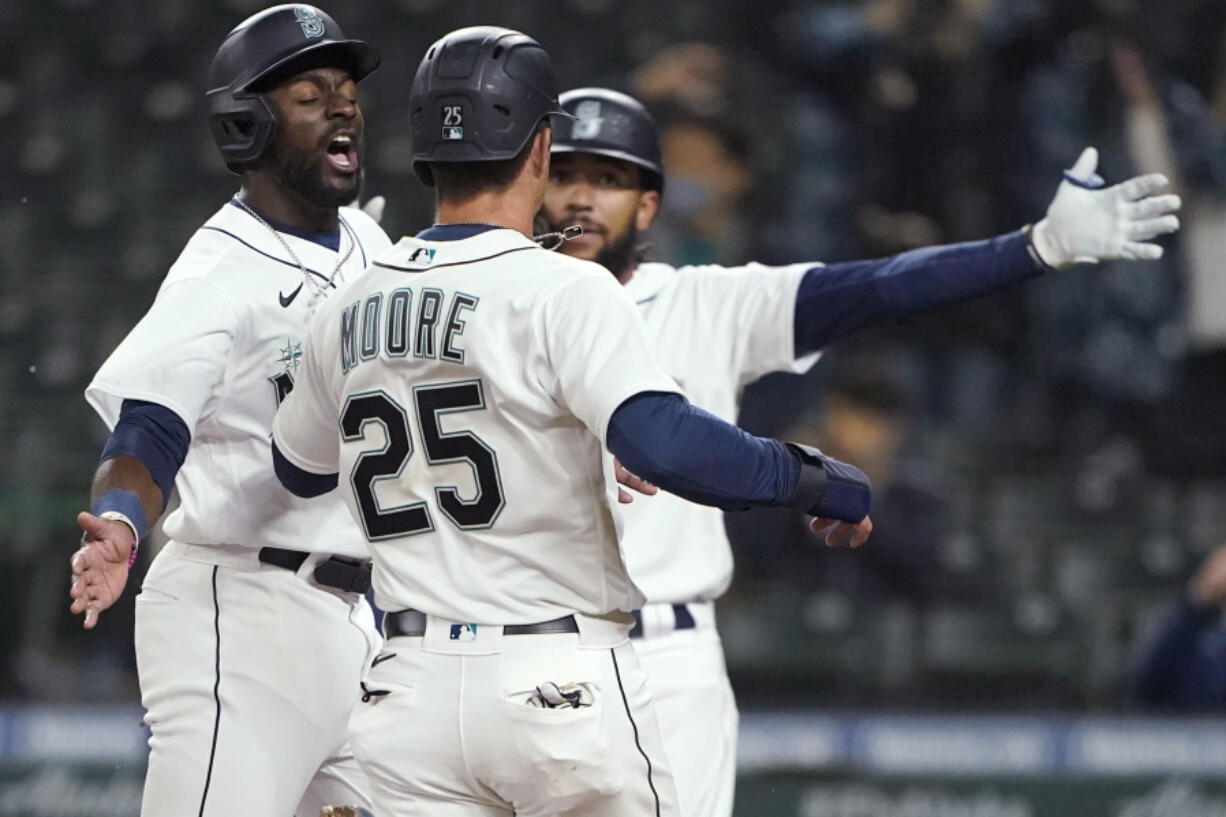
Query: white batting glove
{"x":1087,"y":223}
{"x":374,"y":208}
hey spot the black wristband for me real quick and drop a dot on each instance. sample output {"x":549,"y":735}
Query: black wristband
{"x":1033,"y":251}
{"x":811,"y":486}
{"x":828,"y":487}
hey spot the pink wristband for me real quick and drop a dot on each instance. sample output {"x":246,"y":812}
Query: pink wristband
{"x":119,"y":517}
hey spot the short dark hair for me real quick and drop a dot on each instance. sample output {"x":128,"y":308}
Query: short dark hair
{"x":458,"y":182}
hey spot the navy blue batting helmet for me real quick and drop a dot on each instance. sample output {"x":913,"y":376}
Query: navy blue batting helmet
{"x":265,"y":47}
{"x":609,"y":123}
{"x":478,"y":95}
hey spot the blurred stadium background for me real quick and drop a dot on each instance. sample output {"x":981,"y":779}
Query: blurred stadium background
{"x":1051,"y":462}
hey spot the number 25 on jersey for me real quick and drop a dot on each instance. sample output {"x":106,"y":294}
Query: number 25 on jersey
{"x":431,"y":401}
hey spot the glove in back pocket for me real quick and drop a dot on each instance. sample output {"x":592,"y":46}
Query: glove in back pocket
{"x":564,"y":757}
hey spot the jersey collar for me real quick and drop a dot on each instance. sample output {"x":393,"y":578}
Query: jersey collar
{"x":454,"y":232}
{"x":328,"y":239}
{"x":461,"y":244}
{"x":239,"y":226}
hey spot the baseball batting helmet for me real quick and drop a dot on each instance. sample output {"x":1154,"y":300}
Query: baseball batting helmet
{"x":264,"y":47}
{"x":608,"y":123}
{"x":478,"y":95}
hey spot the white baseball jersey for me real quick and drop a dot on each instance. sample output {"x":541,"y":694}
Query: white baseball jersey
{"x":473,"y":381}
{"x":714,"y":330}
{"x":221,"y":346}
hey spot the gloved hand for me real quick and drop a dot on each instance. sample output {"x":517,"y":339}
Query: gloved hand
{"x":1087,"y":223}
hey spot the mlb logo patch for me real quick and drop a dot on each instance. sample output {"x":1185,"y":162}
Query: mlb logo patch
{"x":453,"y":134}
{"x":464,"y":632}
{"x":422,"y":255}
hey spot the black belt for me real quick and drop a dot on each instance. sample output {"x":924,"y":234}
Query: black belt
{"x":413,"y":623}
{"x":339,"y":572}
{"x":683,"y":619}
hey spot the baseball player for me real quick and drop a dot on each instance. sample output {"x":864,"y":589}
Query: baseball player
{"x":716,"y":329}
{"x":476,"y":378}
{"x":251,"y":626}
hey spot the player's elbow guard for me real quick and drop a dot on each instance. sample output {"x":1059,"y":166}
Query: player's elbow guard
{"x":829,"y":488}
{"x":297,"y":481}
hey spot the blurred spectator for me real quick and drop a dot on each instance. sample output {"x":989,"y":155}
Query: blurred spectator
{"x":1173,"y":129}
{"x":903,"y":135}
{"x":865,"y":418}
{"x":1108,"y":339}
{"x":705,"y":140}
{"x":692,"y":77}
{"x":1185,"y":665}
{"x":920,"y":78}
{"x":702,"y":220}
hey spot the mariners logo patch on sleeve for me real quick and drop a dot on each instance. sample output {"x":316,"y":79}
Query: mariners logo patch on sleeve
{"x":453,"y":123}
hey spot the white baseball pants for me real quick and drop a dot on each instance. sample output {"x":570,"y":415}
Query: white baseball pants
{"x":248,"y":673}
{"x":455,"y":735}
{"x":694,"y":705}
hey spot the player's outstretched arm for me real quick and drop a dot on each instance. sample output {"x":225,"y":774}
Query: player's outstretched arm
{"x":129,"y":491}
{"x":691,"y":453}
{"x":124,"y":496}
{"x":837,"y":532}
{"x":1088,"y":222}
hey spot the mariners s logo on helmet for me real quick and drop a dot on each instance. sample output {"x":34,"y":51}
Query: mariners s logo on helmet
{"x":587,"y":125}
{"x":308,"y":18}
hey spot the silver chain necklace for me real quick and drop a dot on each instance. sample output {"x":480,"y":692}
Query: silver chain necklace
{"x":557,"y":239}
{"x":319,"y":289}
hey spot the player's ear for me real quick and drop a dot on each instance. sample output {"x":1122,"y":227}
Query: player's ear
{"x":648,"y":208}
{"x":542,"y":141}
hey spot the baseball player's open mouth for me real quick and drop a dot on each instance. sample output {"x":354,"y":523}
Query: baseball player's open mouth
{"x":342,"y":153}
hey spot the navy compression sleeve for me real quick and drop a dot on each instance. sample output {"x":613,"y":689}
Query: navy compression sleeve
{"x":1185,"y":666}
{"x":693,"y":454}
{"x":153,"y":434}
{"x":836,"y":300}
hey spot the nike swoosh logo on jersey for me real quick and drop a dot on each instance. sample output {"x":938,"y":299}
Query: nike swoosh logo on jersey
{"x":286,"y":300}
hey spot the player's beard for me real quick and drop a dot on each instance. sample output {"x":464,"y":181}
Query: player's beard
{"x":620,"y":254}
{"x":302,"y":174}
